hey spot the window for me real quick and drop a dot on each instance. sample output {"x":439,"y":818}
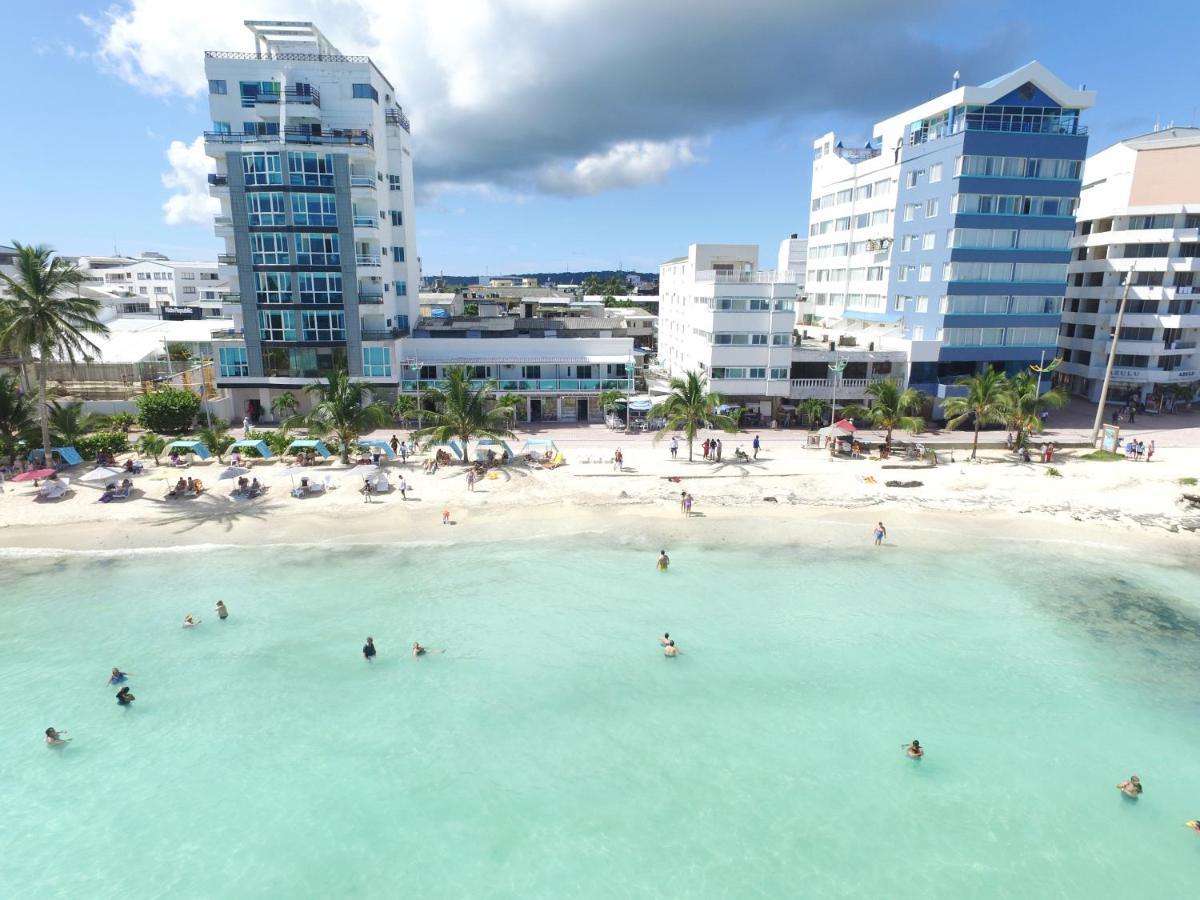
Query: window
{"x":261,"y":168}
{"x":188,"y":276}
{"x":929,"y":241}
{"x":273,"y":287}
{"x":862,"y":193}
{"x":922,"y":304}
{"x":1015,"y":205}
{"x":898,"y":305}
{"x":394,"y":182}
{"x":232,"y":362}
{"x":397,"y":217}
{"x":881,"y":217}
{"x":906,"y":243}
{"x":931,"y":207}
{"x":254,"y":91}
{"x":221,"y":127}
{"x":401,"y":288}
{"x":269,"y":248}
{"x":845,"y":196}
{"x":925,"y":273}
{"x":265,"y":208}
{"x":323,"y":326}
{"x":862,"y":220}
{"x":935,"y":173}
{"x":910,"y":179}
{"x":781,"y":340}
{"x":217,"y":86}
{"x":377,"y":362}
{"x":531,"y":371}
{"x":161,"y":289}
{"x":317,"y":250}
{"x":397,"y":254}
{"x":902,"y":273}
{"x":189,"y":289}
{"x":781,"y":372}
{"x":320,"y":288}
{"x":309,"y":168}
{"x":314,"y":209}
{"x":842,"y":224}
{"x":1137,"y":223}
{"x":910,"y":211}
{"x":277,"y":325}
{"x":364,"y":92}
{"x":918,"y":333}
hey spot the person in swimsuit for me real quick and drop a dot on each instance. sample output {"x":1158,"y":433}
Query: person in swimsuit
{"x":124,"y":697}
{"x":915,"y":750}
{"x":1131,"y":788}
{"x":117,"y":676}
{"x":222,"y":612}
{"x":880,"y":533}
{"x":55,"y":738}
{"x":369,"y":649}
{"x":1194,"y":824}
{"x":418,"y":650}
{"x":190,"y":622}
{"x":663,"y":560}
{"x":665,"y":639}
{"x":670,"y":649}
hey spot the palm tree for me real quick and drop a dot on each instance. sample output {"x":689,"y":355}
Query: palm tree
{"x":1025,"y":406}
{"x":17,"y":420}
{"x":690,"y":406}
{"x":461,"y":412}
{"x":69,"y":423}
{"x":152,"y":445}
{"x":345,"y":409}
{"x":514,"y":402}
{"x":284,"y":407}
{"x":985,"y":402}
{"x":891,"y":408}
{"x":40,"y":314}
{"x":217,"y":440}
{"x":405,"y":408}
{"x":814,"y":411}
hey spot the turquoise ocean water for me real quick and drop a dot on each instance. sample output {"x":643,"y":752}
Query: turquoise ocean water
{"x":552,"y":751}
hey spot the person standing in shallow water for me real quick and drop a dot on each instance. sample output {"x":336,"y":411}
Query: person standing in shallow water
{"x":915,"y":750}
{"x":222,"y":612}
{"x":1131,"y":788}
{"x":880,"y":533}
{"x":368,"y":650}
{"x":663,"y":560}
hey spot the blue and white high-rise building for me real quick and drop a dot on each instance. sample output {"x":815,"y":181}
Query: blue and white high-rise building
{"x":948,"y":233}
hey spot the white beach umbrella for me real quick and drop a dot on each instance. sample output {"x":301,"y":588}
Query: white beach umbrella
{"x":103,"y":473}
{"x":234,"y":472}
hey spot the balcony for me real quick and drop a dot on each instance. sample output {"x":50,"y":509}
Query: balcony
{"x":531,"y":385}
{"x":372,"y":296}
{"x":396,"y":116}
{"x":307,"y":95}
{"x":365,"y":222}
{"x":227,"y":259}
{"x":356,"y":137}
{"x":218,"y":180}
{"x":765,"y":277}
{"x":222,"y":220}
{"x":366,"y":260}
{"x":363,"y":181}
{"x":805,"y":388}
{"x":381,"y":334}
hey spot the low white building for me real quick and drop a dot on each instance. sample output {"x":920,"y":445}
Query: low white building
{"x":1139,"y":209}
{"x":153,"y":285}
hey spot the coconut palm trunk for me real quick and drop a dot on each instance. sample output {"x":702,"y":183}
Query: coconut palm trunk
{"x":44,"y":408}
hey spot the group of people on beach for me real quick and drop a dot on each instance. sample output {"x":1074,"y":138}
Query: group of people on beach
{"x":1135,"y":450}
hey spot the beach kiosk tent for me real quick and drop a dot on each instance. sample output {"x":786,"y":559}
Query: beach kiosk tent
{"x":259,"y":447}
{"x":539,"y":445}
{"x":483,"y":445}
{"x":69,"y":455}
{"x":316,"y":446}
{"x":382,"y":446}
{"x":195,"y":447}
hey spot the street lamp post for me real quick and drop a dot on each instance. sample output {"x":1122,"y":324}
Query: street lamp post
{"x":836,"y":367}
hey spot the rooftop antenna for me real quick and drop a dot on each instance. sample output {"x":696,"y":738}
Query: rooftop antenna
{"x":957,"y":80}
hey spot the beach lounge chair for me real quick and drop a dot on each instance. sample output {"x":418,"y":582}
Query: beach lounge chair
{"x":558,"y":460}
{"x":54,"y":488}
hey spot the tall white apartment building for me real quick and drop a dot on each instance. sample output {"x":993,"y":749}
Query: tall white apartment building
{"x":314,"y":176}
{"x":947,"y":233}
{"x":719,"y":315}
{"x":1139,"y":210}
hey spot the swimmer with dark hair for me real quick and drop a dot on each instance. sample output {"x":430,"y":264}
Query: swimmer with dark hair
{"x":1131,"y":788}
{"x":669,"y":649}
{"x":369,"y":649}
{"x":663,"y":560}
{"x":418,"y":650}
{"x":54,"y":738}
{"x":124,"y":698}
{"x":915,"y":750}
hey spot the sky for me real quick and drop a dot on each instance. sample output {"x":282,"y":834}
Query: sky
{"x":549,"y":135}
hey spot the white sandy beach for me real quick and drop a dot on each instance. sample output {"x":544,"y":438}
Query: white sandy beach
{"x":789,"y":495}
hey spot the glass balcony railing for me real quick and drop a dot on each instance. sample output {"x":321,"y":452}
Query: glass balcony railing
{"x":530,"y":385}
{"x":365,"y":222}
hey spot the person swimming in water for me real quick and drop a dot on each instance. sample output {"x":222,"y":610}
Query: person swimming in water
{"x":369,"y":649}
{"x":663,"y":560}
{"x":915,"y":750}
{"x":124,"y":697}
{"x":118,"y":677}
{"x":222,"y":612}
{"x":190,"y":622}
{"x":55,"y":738}
{"x":1194,"y":824}
{"x":418,"y":650}
{"x":669,"y":648}
{"x":1131,"y":788}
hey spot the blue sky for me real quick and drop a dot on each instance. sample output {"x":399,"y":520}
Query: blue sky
{"x":557,"y":134}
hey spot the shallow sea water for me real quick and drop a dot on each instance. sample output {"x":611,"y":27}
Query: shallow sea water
{"x":552,"y":751}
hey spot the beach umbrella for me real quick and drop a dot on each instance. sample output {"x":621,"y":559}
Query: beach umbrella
{"x":33,"y":475}
{"x":845,"y":425}
{"x":362,"y":471}
{"x":103,"y":473}
{"x":292,"y":470}
{"x":233,"y":472}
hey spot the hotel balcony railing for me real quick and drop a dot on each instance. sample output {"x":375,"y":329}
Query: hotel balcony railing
{"x":381,"y":334}
{"x":308,"y":95}
{"x":540,"y":385}
{"x":766,"y":277}
{"x":396,"y":116}
{"x":222,"y":220}
{"x":291,"y":57}
{"x":365,"y":222}
{"x":227,"y":259}
{"x":362,"y":181}
{"x":340,"y":136}
{"x":218,"y":180}
{"x":366,"y":260}
{"x":370,"y":296}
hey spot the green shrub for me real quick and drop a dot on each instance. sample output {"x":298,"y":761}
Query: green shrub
{"x":168,"y":410}
{"x":112,"y":441}
{"x":1103,"y":456}
{"x":1188,"y":481}
{"x":1053,"y":472}
{"x":121,"y":421}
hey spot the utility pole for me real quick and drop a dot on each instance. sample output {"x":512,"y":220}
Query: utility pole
{"x":1112,"y":356}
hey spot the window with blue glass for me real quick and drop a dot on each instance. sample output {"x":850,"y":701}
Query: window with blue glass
{"x":265,"y":208}
{"x":401,"y":288}
{"x":397,"y":254}
{"x":254,"y":91}
{"x":232,"y":362}
{"x":261,"y":128}
{"x":320,"y":288}
{"x":314,"y":209}
{"x":377,"y":362}
{"x":323,"y":326}
{"x":261,"y":168}
{"x":269,"y":248}
{"x":273,"y":287}
{"x":277,"y":325}
{"x":221,"y":127}
{"x":310,"y":168}
{"x":317,"y":250}
{"x":365,"y":92}
{"x":217,"y":86}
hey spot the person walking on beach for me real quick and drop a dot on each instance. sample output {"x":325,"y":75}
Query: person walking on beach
{"x":704,"y":447}
{"x":368,"y":650}
{"x":880,"y":533}
{"x":471,"y":480}
{"x":663,"y":560}
{"x":402,"y":487}
{"x":395,"y":444}
{"x":618,"y":460}
{"x":683,"y":501}
{"x":757,"y":445}
{"x":720,"y":447}
{"x":1150,"y":452}
{"x":445,"y":517}
{"x":674,"y":445}
{"x":687,"y":505}
{"x":365,"y":490}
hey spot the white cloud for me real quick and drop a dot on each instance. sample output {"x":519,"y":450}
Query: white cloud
{"x":558,"y":95}
{"x":188,"y":179}
{"x":624,"y":165}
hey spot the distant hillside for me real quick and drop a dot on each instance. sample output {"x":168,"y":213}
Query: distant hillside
{"x":546,"y":277}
